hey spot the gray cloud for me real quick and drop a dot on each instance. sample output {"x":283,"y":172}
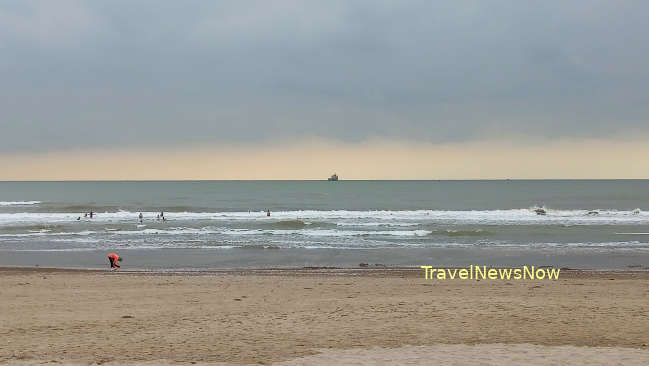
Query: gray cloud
{"x":124,"y":73}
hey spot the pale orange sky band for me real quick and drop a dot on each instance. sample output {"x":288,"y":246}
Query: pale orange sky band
{"x":316,"y":159}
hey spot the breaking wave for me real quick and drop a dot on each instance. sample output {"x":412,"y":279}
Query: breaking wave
{"x":304,"y":219}
{"x":19,"y":203}
{"x":288,"y":224}
{"x":460,"y":233}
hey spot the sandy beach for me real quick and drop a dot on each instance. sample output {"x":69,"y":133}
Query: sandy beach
{"x":320,"y":317}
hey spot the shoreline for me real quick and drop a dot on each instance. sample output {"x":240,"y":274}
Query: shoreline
{"x":320,"y":271}
{"x":174,"y":259}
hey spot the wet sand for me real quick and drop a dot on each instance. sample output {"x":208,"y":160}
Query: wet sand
{"x":257,"y":257}
{"x":314,"y":316}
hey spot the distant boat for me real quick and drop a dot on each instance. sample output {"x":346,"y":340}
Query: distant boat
{"x":333,"y":178}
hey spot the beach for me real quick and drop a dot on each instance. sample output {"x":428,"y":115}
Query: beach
{"x":324,"y":183}
{"x":320,"y":316}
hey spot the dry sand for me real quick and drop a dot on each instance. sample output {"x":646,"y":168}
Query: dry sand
{"x":320,"y":317}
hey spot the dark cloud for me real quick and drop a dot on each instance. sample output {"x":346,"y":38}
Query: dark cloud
{"x":76,"y":74}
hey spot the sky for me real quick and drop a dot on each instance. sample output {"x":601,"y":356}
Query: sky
{"x":299,"y":89}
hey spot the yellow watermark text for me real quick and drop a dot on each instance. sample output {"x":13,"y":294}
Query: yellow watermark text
{"x":485,"y":273}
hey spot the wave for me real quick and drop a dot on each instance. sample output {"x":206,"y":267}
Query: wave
{"x":302,"y":219}
{"x":259,"y":246}
{"x":92,"y":245}
{"x":328,"y":232}
{"x":47,"y":233}
{"x":378,"y":224}
{"x":225,"y":231}
{"x":19,"y":203}
{"x":454,"y":233}
{"x":84,"y":208}
{"x":32,"y":228}
{"x":151,"y":209}
{"x":288,"y":224}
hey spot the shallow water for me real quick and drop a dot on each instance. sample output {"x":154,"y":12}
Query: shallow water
{"x":405,"y":217}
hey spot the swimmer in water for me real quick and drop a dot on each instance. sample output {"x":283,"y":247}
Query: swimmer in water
{"x":140,"y":217}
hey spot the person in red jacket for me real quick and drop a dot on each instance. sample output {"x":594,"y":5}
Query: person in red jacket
{"x":113,"y":259}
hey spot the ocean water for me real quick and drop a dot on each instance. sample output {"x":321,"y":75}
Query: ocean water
{"x":588,"y":223}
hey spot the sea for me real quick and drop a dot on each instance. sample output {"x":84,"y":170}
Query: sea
{"x":588,"y":224}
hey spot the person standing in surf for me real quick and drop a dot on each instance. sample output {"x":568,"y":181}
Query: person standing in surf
{"x":114,"y":259}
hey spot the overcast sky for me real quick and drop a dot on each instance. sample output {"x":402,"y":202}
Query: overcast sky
{"x":77,"y":74}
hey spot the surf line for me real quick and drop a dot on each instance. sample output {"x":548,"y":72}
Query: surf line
{"x":482,"y":272}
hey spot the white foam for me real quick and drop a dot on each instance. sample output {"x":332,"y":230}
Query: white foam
{"x":354,"y":218}
{"x":19,"y":203}
{"x":328,"y":232}
{"x":378,"y":224}
{"x":231,"y":232}
{"x":48,"y":233}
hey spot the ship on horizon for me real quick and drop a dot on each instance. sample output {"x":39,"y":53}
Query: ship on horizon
{"x":333,"y":178}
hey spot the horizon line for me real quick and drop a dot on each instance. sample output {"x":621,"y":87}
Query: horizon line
{"x":321,"y":180}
